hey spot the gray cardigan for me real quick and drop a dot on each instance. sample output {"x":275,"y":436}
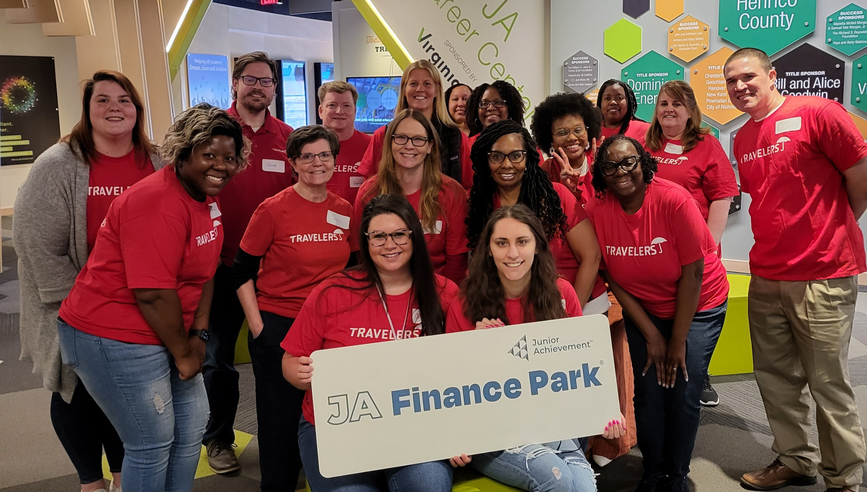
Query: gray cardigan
{"x":50,"y":234}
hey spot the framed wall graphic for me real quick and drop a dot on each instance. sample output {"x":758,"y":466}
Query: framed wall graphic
{"x":29,"y":121}
{"x":208,"y":80}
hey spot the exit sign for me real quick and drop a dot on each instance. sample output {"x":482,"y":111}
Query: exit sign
{"x":270,"y":2}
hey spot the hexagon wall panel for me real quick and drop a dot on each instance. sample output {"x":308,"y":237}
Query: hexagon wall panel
{"x":713,"y":130}
{"x":688,"y":39}
{"x":762,"y":24}
{"x":646,"y":76}
{"x":859,"y":83}
{"x":809,"y":71}
{"x":846,"y":29}
{"x":622,"y":40}
{"x":635,"y":8}
{"x":580,"y":72}
{"x":707,"y":80}
{"x":668,"y":10}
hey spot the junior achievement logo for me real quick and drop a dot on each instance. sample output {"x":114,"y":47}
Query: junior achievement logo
{"x":519,"y":350}
{"x":542,"y":346}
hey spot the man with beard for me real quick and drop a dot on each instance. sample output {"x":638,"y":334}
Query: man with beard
{"x":254,"y":82}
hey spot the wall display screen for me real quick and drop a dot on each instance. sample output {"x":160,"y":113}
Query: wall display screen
{"x":292,"y":93}
{"x":29,"y":122}
{"x":208,"y":80}
{"x":377,"y":100}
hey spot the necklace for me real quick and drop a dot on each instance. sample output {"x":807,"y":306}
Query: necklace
{"x":388,"y":316}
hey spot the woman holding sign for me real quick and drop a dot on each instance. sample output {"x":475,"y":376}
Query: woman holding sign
{"x":509,"y":282}
{"x":393,"y":293}
{"x":660,"y":261}
{"x":304,"y":221}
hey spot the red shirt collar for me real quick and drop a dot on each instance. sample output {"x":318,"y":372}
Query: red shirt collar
{"x":269,"y":126}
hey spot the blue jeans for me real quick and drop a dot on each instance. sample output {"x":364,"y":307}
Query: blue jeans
{"x":434,"y":476}
{"x":667,"y":419}
{"x":538,"y":468}
{"x":159,"y":418}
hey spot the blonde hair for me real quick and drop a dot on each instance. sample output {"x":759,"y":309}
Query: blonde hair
{"x":681,"y":92}
{"x":441,"y":108}
{"x":196,"y":126}
{"x":432,"y":178}
{"x":339,"y":87}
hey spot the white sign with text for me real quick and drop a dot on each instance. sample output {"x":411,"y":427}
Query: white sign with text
{"x":411,"y":401}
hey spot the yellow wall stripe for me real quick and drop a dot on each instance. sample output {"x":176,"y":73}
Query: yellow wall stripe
{"x":189,"y":26}
{"x":386,"y":35}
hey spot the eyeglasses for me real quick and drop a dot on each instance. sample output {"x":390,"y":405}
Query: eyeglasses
{"x":497,"y":103}
{"x":628,"y":164}
{"x":378,"y":238}
{"x":307,"y":158}
{"x":416,"y":141}
{"x":564,"y":132}
{"x":263,"y":81}
{"x":514,"y":157}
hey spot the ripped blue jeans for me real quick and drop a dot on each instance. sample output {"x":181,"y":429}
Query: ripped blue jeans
{"x":538,"y":468}
{"x":159,"y":418}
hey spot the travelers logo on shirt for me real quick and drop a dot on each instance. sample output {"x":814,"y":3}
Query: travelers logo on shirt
{"x":347,"y":168}
{"x":775,"y":148}
{"x":216,"y":224}
{"x":106,"y":190}
{"x":317,"y":237}
{"x":672,"y":161}
{"x":655,"y":248}
{"x":208,"y":236}
{"x":519,"y":350}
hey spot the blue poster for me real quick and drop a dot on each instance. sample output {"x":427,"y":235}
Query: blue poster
{"x":208,"y":80}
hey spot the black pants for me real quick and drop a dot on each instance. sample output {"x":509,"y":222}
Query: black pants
{"x":221,"y":377}
{"x":278,"y":407}
{"x":84,"y":430}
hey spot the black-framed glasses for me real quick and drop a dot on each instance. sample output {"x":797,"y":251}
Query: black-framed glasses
{"x":514,"y":157}
{"x":628,"y":164}
{"x":378,"y":238}
{"x":307,"y":157}
{"x":565,"y":132}
{"x":497,"y":103}
{"x":263,"y":81}
{"x":416,"y":141}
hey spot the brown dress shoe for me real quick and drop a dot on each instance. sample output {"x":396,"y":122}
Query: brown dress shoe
{"x":775,"y":476}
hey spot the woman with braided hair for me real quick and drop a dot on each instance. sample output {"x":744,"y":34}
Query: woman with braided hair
{"x":618,"y":105}
{"x":506,"y":172}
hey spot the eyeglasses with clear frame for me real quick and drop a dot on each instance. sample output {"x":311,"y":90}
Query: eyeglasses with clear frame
{"x":263,"y":81}
{"x":307,"y":157}
{"x":514,"y":157}
{"x":416,"y":141}
{"x":378,"y":238}
{"x":628,"y":164}
{"x":565,"y":132}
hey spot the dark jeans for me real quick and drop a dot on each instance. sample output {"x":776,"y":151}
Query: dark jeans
{"x":221,"y":377}
{"x":84,"y":430}
{"x":667,"y":419}
{"x":278,"y":407}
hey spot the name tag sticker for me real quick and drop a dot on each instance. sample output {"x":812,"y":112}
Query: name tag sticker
{"x":215,"y":210}
{"x":356,"y":181}
{"x":273,"y":166}
{"x":789,"y":125}
{"x":336,"y":219}
{"x":671,"y":148}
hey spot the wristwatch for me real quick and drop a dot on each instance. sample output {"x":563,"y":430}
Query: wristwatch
{"x":203,"y":334}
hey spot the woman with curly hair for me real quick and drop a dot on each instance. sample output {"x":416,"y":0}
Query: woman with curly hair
{"x":507,"y":172}
{"x":618,"y":105}
{"x":490,"y":103}
{"x":509,"y":282}
{"x":134,"y":325}
{"x":660,"y":261}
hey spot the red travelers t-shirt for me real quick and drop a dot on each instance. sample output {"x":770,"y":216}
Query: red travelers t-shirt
{"x":456,"y":321}
{"x":155,"y":236}
{"x":791,"y":164}
{"x":346,"y":179}
{"x":644,"y":252}
{"x":705,"y":171}
{"x":584,"y":191}
{"x":450,"y":236}
{"x":108,"y":178}
{"x":637,"y":130}
{"x":336,"y":316}
{"x":267,"y":174}
{"x":567,"y":263}
{"x":302,"y":243}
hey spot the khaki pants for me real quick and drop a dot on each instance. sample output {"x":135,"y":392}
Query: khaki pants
{"x":800,"y":337}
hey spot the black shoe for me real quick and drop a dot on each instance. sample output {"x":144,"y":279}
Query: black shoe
{"x":709,"y":398}
{"x":676,"y":484}
{"x":651,"y":483}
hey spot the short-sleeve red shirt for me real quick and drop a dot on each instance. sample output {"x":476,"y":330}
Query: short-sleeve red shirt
{"x":346,"y":179}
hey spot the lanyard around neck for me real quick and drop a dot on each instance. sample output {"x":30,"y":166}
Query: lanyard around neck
{"x":388,"y":316}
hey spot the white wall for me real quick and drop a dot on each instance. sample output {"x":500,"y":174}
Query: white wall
{"x":232,"y":31}
{"x":27,"y":40}
{"x":358,"y":52}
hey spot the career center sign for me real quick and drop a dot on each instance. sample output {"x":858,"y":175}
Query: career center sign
{"x":475,"y":42}
{"x":416,"y":400}
{"x":769,"y":25}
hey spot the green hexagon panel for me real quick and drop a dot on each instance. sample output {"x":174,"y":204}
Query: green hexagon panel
{"x":846,"y":29}
{"x":713,"y":130}
{"x":646,"y":76}
{"x":622,"y":40}
{"x":859,"y":83}
{"x":767,"y":25}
